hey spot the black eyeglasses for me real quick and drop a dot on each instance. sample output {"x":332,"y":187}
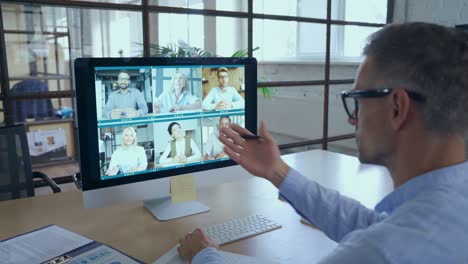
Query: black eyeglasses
{"x":351,"y":103}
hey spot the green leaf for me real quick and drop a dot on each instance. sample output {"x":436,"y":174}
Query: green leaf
{"x":243,"y":53}
{"x":182,"y":49}
{"x":265,"y":91}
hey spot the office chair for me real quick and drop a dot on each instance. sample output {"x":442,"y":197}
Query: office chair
{"x":77,"y":180}
{"x":16,"y":175}
{"x":37,"y":108}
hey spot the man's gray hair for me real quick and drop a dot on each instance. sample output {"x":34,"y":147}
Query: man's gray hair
{"x":428,"y":59}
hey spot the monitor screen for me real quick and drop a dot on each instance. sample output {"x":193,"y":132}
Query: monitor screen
{"x":142,"y":119}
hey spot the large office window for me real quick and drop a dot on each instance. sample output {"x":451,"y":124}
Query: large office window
{"x":221,"y":5}
{"x":302,"y":68}
{"x":226,"y":34}
{"x":172,"y":28}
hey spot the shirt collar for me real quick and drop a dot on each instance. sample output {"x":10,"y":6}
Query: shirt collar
{"x":182,"y":94}
{"x":451,"y":175}
{"x":129,"y":91}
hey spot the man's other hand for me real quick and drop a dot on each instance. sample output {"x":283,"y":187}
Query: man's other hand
{"x":156,"y":107}
{"x":207,"y":157}
{"x":116,"y":113}
{"x":175,"y":108}
{"x":130,"y":113}
{"x":221,"y":105}
{"x":193,"y":243}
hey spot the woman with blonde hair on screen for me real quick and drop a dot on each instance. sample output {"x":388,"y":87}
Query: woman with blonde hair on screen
{"x":129,"y":157}
{"x":177,"y":98}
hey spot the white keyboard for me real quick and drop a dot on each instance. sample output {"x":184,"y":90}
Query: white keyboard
{"x":227,"y":232}
{"x":240,"y":228}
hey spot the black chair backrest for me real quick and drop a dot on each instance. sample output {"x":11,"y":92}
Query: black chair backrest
{"x":15,"y":164}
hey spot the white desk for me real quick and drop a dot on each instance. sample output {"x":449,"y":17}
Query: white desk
{"x":132,"y":229}
{"x":366,"y":183}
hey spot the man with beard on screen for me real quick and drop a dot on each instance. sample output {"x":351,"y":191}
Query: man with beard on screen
{"x":125,"y":102}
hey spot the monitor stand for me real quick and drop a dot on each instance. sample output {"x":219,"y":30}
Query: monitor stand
{"x":163,"y":208}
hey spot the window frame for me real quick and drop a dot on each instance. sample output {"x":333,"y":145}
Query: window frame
{"x":146,"y":9}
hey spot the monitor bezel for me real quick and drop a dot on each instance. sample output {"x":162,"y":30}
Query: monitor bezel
{"x":87,"y":114}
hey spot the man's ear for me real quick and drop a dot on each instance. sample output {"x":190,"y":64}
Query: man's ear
{"x":400,"y":104}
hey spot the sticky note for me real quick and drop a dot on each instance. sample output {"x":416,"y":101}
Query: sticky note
{"x":183,"y":188}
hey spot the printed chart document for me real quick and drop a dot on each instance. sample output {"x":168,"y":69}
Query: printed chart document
{"x":54,"y":244}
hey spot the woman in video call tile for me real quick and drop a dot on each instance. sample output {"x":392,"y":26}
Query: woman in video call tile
{"x":178,"y":98}
{"x":129,"y":157}
{"x":181,"y":149}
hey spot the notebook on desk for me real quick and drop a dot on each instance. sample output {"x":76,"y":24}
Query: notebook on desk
{"x":55,"y":245}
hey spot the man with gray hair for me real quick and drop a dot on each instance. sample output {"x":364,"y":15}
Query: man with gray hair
{"x":409,"y":107}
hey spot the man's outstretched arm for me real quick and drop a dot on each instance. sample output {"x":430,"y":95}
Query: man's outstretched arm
{"x":334,"y":214}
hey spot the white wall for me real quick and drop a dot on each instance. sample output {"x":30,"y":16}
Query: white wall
{"x":448,"y":13}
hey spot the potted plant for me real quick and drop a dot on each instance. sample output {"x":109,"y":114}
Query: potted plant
{"x":182,"y":49}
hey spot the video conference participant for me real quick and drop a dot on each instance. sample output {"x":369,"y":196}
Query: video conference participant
{"x":224,"y":96}
{"x":181,"y":149}
{"x":214,"y":149}
{"x":125,"y":102}
{"x":177,"y":98}
{"x":414,"y":128}
{"x":129,"y":157}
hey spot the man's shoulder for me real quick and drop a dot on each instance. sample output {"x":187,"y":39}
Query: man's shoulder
{"x":443,"y":203}
{"x":133,"y":90}
{"x":430,"y":224}
{"x":215,"y":89}
{"x":424,"y":241}
{"x":113,"y":93}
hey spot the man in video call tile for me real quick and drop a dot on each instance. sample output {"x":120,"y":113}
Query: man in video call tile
{"x":214,"y":148}
{"x":125,"y":102}
{"x":223,"y":97}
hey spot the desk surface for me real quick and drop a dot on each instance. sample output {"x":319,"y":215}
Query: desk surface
{"x":131,"y":228}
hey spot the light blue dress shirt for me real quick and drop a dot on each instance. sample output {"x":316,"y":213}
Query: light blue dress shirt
{"x":132,"y":99}
{"x":168,"y":99}
{"x":213,"y":145}
{"x":229,"y":94}
{"x":424,"y":220}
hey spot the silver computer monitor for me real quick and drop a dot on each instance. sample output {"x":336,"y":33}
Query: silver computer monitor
{"x":144,"y":120}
